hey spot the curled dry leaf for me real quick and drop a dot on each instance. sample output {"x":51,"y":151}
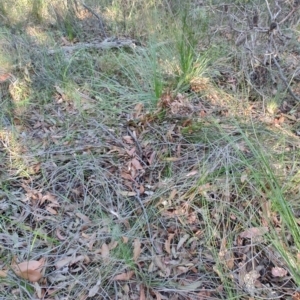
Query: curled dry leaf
{"x":136,"y":249}
{"x":127,"y":194}
{"x":63,"y":262}
{"x":296,"y":296}
{"x":83,"y":217}
{"x":94,"y":290}
{"x":92,"y":241}
{"x":105,"y":252}
{"x":124,"y":276}
{"x":125,"y":239}
{"x":168,"y":243}
{"x":279,"y":272}
{"x":30,"y":270}
{"x":254,"y":232}
{"x":192,"y":173}
{"x":136,"y":164}
{"x":3,"y":273}
{"x":182,"y":241}
{"x":59,"y":235}
{"x":142,"y":293}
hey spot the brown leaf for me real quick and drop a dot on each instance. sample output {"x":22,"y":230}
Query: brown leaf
{"x":279,"y":272}
{"x":296,"y":296}
{"x":244,"y":177}
{"x":3,"y":273}
{"x":124,"y":276}
{"x":92,"y":241}
{"x":182,"y":241}
{"x":126,"y":176}
{"x":157,"y":261}
{"x":112,"y":245}
{"x":83,"y":217}
{"x":151,"y":158}
{"x":94,"y":290}
{"x":136,"y":249}
{"x":254,"y":232}
{"x":63,"y":262}
{"x":125,"y":239}
{"x":49,"y":197}
{"x":105,"y":252}
{"x":128,"y":139}
{"x":168,"y":242}
{"x":136,"y":164}
{"x":192,"y":173}
{"x":142,"y":292}
{"x":171,"y":159}
{"x":138,"y":109}
{"x":142,"y":189}
{"x":131,"y":152}
{"x":172,"y":195}
{"x":51,"y":210}
{"x":30,"y":270}
{"x":127,"y":194}
{"x":59,"y":235}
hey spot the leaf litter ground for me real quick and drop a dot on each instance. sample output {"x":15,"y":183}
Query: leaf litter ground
{"x":154,"y":204}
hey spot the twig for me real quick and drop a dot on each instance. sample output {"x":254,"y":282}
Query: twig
{"x":97,"y":16}
{"x":283,"y":78}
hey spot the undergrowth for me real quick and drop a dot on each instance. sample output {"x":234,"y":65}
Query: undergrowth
{"x":149,"y":149}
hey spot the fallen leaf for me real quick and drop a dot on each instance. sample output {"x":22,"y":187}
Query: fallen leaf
{"x":59,"y":235}
{"x":296,"y":296}
{"x":171,"y":159}
{"x":182,"y":241}
{"x":92,"y":241}
{"x":161,"y":265}
{"x":151,"y":158}
{"x":125,"y":239}
{"x":77,"y":259}
{"x":105,"y":252}
{"x":128,"y":139}
{"x":49,"y":197}
{"x":168,"y":243}
{"x":3,"y":273}
{"x":279,"y":272}
{"x":112,"y":245}
{"x":30,"y":270}
{"x":124,"y":276}
{"x":136,"y":249}
{"x":38,"y":290}
{"x":83,"y":217}
{"x":244,"y":177}
{"x":192,"y":173}
{"x":51,"y":210}
{"x":127,"y":194}
{"x":136,"y":164}
{"x":138,"y":109}
{"x":142,"y":293}
{"x":191,"y":287}
{"x":131,"y":152}
{"x":94,"y":290}
{"x":126,"y":176}
{"x":63,"y":262}
{"x":254,"y":232}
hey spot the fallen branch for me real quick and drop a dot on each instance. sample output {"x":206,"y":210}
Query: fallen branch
{"x":106,"y":44}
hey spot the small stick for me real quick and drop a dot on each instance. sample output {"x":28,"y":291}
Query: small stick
{"x":284,"y":79}
{"x":97,"y":16}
